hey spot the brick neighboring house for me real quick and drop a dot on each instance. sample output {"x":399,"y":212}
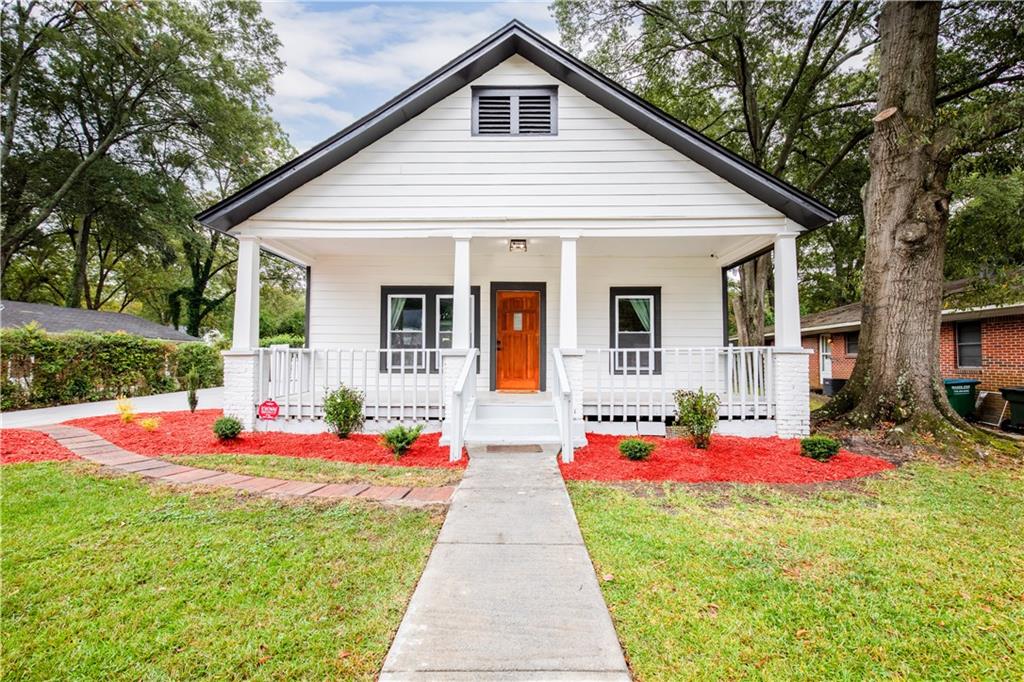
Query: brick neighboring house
{"x":984,"y":343}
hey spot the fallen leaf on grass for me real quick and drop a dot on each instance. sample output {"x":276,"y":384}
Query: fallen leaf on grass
{"x":607,"y":577}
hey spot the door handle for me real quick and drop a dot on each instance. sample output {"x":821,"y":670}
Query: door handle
{"x":497,"y":345}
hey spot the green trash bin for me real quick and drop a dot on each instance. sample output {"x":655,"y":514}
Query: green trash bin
{"x":961,"y":394}
{"x":1015,"y":397}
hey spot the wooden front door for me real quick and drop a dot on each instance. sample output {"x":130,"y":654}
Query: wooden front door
{"x":517,"y":341}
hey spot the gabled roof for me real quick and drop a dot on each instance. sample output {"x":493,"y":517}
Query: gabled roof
{"x":516,"y":38}
{"x":56,"y":320}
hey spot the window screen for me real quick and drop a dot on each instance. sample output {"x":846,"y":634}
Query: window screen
{"x":852,"y":343}
{"x":968,"y":344}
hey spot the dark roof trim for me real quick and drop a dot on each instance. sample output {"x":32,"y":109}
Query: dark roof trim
{"x":516,"y":38}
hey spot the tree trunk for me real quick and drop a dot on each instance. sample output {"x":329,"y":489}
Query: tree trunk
{"x":79,"y":272}
{"x":748,"y":305}
{"x":906,"y":209}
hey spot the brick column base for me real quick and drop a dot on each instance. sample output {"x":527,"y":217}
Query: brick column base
{"x":240,"y":386}
{"x":792,"y":393}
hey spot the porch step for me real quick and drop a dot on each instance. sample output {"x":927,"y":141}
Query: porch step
{"x":496,"y":422}
{"x":513,"y":431}
{"x":514,"y":411}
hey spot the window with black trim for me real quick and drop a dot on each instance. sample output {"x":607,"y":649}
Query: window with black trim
{"x":968,"y":344}
{"x":417,"y":319}
{"x":852,"y":343}
{"x":515,"y":111}
{"x":635,"y":329}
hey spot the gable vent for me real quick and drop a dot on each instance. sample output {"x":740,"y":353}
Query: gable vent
{"x":494,"y":115}
{"x":515,"y":111}
{"x":535,"y":114}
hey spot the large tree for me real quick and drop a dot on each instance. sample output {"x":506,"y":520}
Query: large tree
{"x":87,"y":81}
{"x":120,"y":121}
{"x":907,"y":201}
{"x":786,"y":85}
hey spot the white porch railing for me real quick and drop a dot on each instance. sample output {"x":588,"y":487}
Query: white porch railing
{"x":639,"y":384}
{"x":397,"y":385}
{"x":463,"y":405}
{"x":563,"y":404}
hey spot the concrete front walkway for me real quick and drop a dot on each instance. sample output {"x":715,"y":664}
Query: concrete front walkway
{"x":209,"y":398}
{"x":509,"y":592}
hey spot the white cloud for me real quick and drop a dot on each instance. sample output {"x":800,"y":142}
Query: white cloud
{"x":342,"y":59}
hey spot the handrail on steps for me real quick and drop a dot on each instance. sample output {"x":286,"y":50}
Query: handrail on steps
{"x":563,"y":404}
{"x":463,"y":402}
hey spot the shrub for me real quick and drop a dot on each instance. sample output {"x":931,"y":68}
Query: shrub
{"x":13,"y":395}
{"x":149,"y":424}
{"x":42,"y":369}
{"x":343,"y":410}
{"x":821,"y":448}
{"x":636,"y":449}
{"x":125,"y":409}
{"x":398,"y":439}
{"x":227,"y":428}
{"x":293,"y":340}
{"x":192,"y":384}
{"x":698,"y":415}
{"x":201,"y":358}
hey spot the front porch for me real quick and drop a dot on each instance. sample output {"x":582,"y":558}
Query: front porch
{"x":591,"y":335}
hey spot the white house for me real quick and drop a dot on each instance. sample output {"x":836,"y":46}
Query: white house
{"x":517,"y":249}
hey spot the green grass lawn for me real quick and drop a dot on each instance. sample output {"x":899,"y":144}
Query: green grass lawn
{"x":305,"y":469}
{"x":919,"y":575}
{"x":112,"y":578}
{"x":818,"y":401}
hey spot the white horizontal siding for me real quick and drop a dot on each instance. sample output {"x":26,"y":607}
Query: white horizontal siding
{"x":598,"y":167}
{"x":345,"y":295}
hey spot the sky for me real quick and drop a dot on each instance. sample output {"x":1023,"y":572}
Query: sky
{"x":344,"y":59}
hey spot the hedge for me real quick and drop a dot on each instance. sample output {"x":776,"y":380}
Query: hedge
{"x":38,"y":369}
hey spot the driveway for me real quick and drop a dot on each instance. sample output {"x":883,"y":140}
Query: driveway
{"x":209,"y":398}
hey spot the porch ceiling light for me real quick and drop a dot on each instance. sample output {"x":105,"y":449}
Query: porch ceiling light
{"x":517,"y":245}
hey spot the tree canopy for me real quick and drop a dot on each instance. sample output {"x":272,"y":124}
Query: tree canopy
{"x":120,"y":120}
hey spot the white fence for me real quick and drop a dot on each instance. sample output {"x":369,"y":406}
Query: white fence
{"x":397,"y":385}
{"x":639,"y":384}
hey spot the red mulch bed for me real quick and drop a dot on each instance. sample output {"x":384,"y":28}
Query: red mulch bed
{"x":185,"y":433}
{"x":22,"y":445}
{"x":729,"y":459}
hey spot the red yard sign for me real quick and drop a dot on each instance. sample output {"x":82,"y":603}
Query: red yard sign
{"x":268,"y":409}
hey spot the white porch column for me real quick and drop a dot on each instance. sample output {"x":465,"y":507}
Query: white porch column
{"x":568,"y":328}
{"x":461,"y":303}
{"x":792,"y":400}
{"x":787,"y":293}
{"x":453,"y":360}
{"x":240,"y":362}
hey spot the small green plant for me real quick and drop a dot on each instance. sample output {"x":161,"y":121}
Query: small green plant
{"x":398,"y":439}
{"x":192,"y":384}
{"x":636,"y":449}
{"x":698,"y":415}
{"x":125,"y":409}
{"x":821,"y":448}
{"x":227,"y":428}
{"x":149,"y":424}
{"x":343,"y":410}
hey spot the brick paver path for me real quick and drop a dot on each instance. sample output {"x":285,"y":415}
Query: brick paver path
{"x":89,"y":446}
